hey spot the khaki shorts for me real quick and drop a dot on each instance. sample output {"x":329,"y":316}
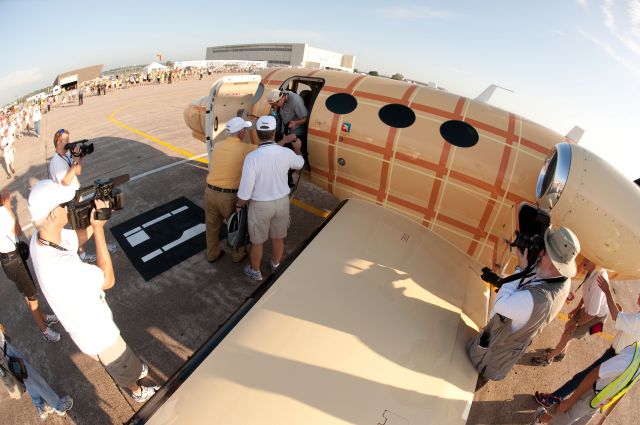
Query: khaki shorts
{"x":268,"y":219}
{"x":121,"y":363}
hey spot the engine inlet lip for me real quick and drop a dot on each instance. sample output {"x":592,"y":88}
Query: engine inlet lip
{"x":553,"y":176}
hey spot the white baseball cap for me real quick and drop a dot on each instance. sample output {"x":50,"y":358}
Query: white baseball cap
{"x":274,"y":95}
{"x":266,"y":123}
{"x":236,"y":124}
{"x":45,"y":196}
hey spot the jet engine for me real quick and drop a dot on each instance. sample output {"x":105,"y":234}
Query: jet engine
{"x":588,"y":195}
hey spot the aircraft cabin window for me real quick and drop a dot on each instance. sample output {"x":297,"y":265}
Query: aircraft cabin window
{"x":459,"y":133}
{"x":259,"y":93}
{"x":341,"y":103}
{"x":396,"y":115}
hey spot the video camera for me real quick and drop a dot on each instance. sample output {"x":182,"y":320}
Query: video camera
{"x":79,"y":208}
{"x":533,"y":223}
{"x":86,"y":148}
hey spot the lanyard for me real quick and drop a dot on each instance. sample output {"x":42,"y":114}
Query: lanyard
{"x":66,"y":159}
{"x":51,"y":244}
{"x":265,"y":144}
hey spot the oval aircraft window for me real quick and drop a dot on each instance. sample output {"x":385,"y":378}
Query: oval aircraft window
{"x":258,"y":94}
{"x":341,"y":103}
{"x":459,"y":133}
{"x":396,"y":115}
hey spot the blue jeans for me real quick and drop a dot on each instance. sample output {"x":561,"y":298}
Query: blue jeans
{"x":40,"y":392}
{"x":36,"y":127}
{"x":571,"y":385}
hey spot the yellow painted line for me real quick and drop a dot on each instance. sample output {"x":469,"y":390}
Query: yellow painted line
{"x":309,"y":208}
{"x":313,"y":210}
{"x":154,"y":139}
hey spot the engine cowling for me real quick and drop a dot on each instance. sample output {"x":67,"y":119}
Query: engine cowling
{"x":588,"y":195}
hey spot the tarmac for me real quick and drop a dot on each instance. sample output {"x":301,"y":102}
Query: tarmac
{"x":140,"y":131}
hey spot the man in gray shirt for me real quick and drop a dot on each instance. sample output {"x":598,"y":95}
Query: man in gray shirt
{"x":294,"y":116}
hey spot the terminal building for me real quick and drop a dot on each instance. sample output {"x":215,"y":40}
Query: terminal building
{"x":284,"y":54}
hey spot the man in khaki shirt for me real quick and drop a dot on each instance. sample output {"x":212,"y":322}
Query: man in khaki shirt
{"x":223,"y":181}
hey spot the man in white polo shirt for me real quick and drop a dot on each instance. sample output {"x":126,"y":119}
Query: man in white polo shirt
{"x":75,"y":290}
{"x":264,"y":184}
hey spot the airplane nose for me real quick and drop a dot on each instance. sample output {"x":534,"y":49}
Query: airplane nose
{"x":553,"y":176}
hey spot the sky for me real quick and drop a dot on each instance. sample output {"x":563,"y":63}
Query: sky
{"x":567,"y":62}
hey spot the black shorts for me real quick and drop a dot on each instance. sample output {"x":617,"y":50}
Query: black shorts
{"x":18,"y":272}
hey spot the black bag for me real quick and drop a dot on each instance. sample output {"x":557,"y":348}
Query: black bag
{"x":238,"y":228}
{"x":23,"y":249}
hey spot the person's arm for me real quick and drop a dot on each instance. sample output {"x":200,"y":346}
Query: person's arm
{"x":606,"y":288}
{"x":247,"y":182}
{"x":103,"y":258}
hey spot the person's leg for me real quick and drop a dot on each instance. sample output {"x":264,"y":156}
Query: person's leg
{"x":256,"y":255}
{"x":278,"y":228}
{"x":39,"y":390}
{"x":580,"y":410}
{"x":36,"y":313}
{"x":561,"y":347}
{"x":571,"y":385}
{"x":277,"y":248}
{"x":213,"y":221}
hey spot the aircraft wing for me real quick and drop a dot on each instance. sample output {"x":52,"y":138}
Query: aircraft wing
{"x":367,"y":324}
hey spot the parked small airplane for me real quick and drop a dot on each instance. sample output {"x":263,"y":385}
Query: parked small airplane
{"x":367,"y":322}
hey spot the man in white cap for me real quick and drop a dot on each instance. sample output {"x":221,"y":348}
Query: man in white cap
{"x":264,"y":184}
{"x":524,"y":305}
{"x":223,"y":181}
{"x":75,"y":290}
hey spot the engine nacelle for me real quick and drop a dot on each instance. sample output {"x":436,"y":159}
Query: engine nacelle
{"x":588,"y":195}
{"x":194,"y":117}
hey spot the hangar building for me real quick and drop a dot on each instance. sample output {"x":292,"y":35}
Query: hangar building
{"x":71,"y":79}
{"x":284,"y":54}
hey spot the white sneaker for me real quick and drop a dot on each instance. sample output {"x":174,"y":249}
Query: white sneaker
{"x":67,"y":403}
{"x":87,"y":258}
{"x":43,"y":412}
{"x":145,"y":393}
{"x":144,"y":372}
{"x":112,"y":247}
{"x":273,"y":265}
{"x":50,"y":319}
{"x":50,"y":335}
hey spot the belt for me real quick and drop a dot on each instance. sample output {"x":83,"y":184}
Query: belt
{"x":8,"y":255}
{"x":221,"y":189}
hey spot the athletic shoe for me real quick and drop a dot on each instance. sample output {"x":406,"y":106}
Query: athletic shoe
{"x":50,"y":335}
{"x":50,"y":319}
{"x":112,"y":247}
{"x":546,"y":400}
{"x":540,"y":412}
{"x":255,"y":275}
{"x":145,"y":371}
{"x":43,"y":412}
{"x":88,"y":258}
{"x":67,"y":403}
{"x":145,"y":393}
{"x":273,"y":265}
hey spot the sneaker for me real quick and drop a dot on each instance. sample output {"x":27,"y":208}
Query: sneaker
{"x":547,"y":400}
{"x":273,"y":265}
{"x":67,"y":403}
{"x":145,"y":393}
{"x":87,"y":258}
{"x":255,"y":275}
{"x":541,"y":360}
{"x":560,"y":357}
{"x":50,"y":335}
{"x":112,"y":247}
{"x":50,"y":319}
{"x":537,"y":417}
{"x":43,"y":412}
{"x":145,"y":371}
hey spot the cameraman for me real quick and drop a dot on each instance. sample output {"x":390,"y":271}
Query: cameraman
{"x":75,"y":290}
{"x":525,"y":305}
{"x":64,"y":168}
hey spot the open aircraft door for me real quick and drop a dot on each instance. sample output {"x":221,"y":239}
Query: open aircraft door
{"x":230,"y":96}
